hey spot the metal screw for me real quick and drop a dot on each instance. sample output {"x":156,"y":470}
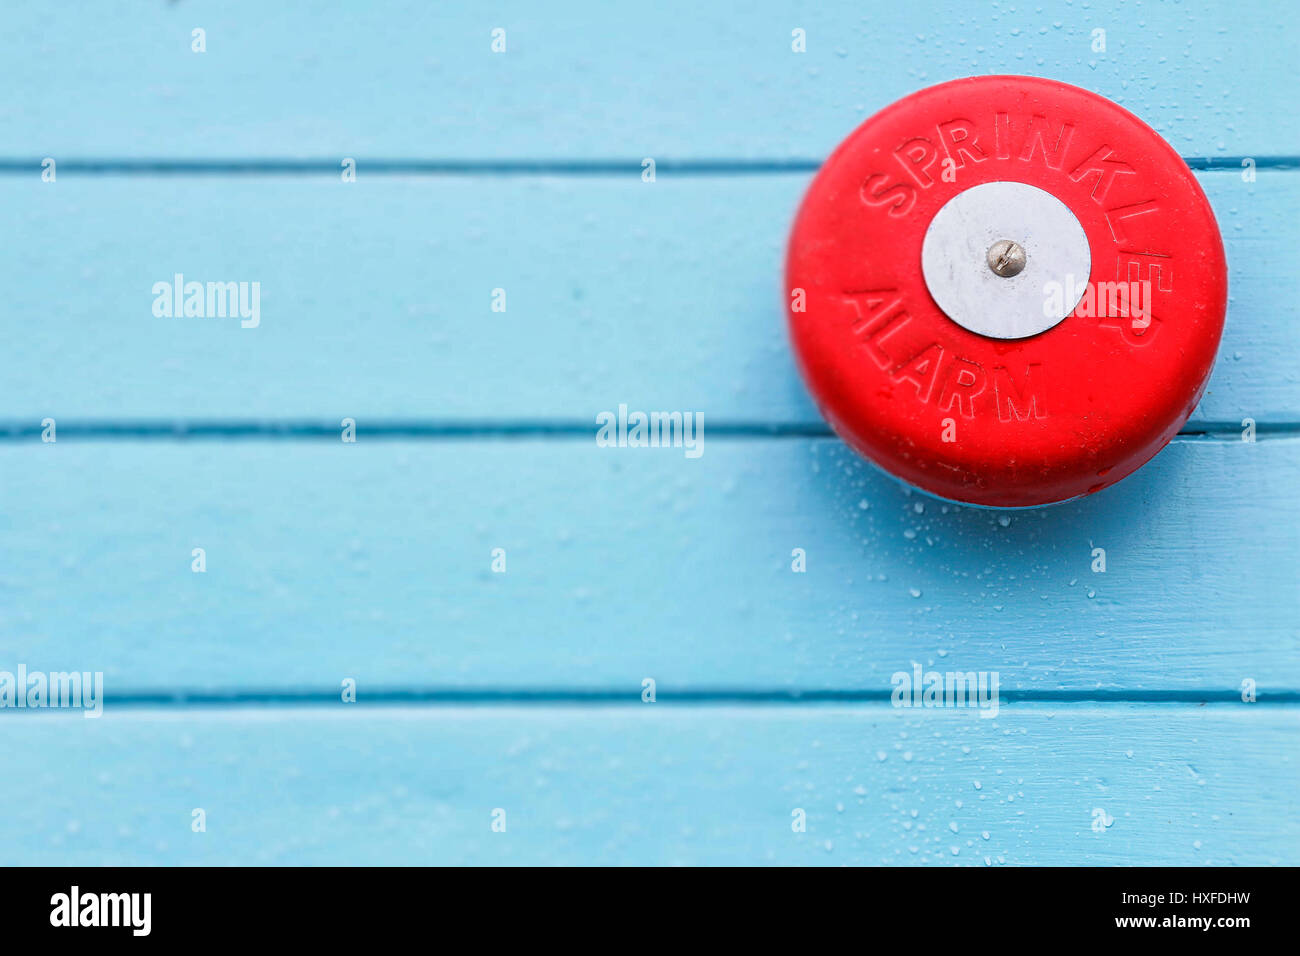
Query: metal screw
{"x":1006,"y":258}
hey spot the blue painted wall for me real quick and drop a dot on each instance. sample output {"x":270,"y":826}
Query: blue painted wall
{"x":1122,"y":734}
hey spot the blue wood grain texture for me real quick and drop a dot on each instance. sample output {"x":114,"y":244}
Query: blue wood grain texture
{"x":656,"y":784}
{"x":372,"y":561}
{"x":328,"y":560}
{"x":376,"y":298}
{"x":591,"y":80}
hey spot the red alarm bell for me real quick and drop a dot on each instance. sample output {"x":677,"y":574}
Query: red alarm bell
{"x":1006,"y":290}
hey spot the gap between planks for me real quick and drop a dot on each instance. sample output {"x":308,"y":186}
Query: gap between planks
{"x":453,"y":430}
{"x":494,"y":167}
{"x":433,"y":697}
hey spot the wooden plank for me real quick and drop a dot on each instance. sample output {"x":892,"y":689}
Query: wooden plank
{"x":403,"y":78}
{"x":656,"y":784}
{"x":372,"y":561}
{"x":376,"y":299}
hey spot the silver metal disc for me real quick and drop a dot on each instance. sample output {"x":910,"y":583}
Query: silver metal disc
{"x":960,"y":274}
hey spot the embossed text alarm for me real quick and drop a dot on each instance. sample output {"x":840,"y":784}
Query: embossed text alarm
{"x":1006,"y":291}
